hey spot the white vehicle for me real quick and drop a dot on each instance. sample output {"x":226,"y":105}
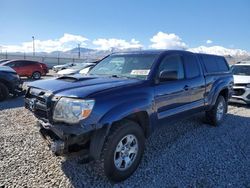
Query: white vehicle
{"x":241,"y":72}
{"x":57,"y":68}
{"x":86,"y":70}
{"x":75,"y":69}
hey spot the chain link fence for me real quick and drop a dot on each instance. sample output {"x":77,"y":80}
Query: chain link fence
{"x":50,"y":61}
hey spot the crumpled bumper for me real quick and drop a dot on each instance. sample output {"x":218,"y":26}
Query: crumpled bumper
{"x":62,"y":139}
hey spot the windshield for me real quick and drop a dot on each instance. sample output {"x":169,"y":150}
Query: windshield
{"x":241,"y":70}
{"x":4,"y":63}
{"x":128,"y":65}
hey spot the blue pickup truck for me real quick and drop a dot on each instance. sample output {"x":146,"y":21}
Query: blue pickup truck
{"x":111,"y":111}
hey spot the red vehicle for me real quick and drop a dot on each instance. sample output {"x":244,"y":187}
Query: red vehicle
{"x":31,"y":69}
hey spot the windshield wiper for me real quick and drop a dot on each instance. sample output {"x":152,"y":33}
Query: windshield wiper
{"x":118,"y":76}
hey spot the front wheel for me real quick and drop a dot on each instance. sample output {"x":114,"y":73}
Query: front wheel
{"x":4,"y":92}
{"x":36,"y":75}
{"x":216,"y":115}
{"x":123,"y":151}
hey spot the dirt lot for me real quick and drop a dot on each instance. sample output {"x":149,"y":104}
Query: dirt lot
{"x":187,"y":153}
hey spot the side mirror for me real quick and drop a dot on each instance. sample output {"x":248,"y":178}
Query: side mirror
{"x":168,"y":75}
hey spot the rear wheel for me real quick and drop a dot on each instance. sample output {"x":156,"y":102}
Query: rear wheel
{"x":216,"y":115}
{"x":4,"y":92}
{"x":36,"y":75}
{"x":123,"y":151}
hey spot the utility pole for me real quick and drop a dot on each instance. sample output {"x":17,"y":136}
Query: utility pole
{"x":33,"y":38}
{"x":79,"y":51}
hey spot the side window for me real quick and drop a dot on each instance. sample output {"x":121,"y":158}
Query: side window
{"x":222,"y":64}
{"x":172,"y":63}
{"x":215,"y":64}
{"x":26,"y":63}
{"x":18,"y":64}
{"x":11,"y":64}
{"x":192,"y":67}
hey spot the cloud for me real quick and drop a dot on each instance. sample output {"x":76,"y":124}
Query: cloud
{"x":209,"y":41}
{"x":108,"y":44}
{"x":167,"y":41}
{"x":159,"y":41}
{"x":219,"y":50}
{"x":66,"y":42}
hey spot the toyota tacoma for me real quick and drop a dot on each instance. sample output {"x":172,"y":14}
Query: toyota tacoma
{"x":111,"y":111}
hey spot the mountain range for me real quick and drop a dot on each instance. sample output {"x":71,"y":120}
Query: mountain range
{"x":232,"y":55}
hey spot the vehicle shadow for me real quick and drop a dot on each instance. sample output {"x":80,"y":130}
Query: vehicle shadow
{"x":12,"y":102}
{"x":170,"y":140}
{"x":239,"y":105}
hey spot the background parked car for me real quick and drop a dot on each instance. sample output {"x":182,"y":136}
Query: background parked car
{"x":57,"y":68}
{"x":30,"y":69}
{"x":10,"y":82}
{"x":241,"y":72}
{"x":75,"y":69}
{"x":86,"y":70}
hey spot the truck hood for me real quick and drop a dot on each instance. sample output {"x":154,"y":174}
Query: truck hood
{"x":81,"y":86}
{"x":240,"y":79}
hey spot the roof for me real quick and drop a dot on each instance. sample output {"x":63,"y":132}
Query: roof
{"x":156,"y":52}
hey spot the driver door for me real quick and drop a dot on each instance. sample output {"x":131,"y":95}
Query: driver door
{"x":171,"y":96}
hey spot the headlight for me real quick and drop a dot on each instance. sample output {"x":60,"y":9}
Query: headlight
{"x":70,"y":110}
{"x":248,"y":85}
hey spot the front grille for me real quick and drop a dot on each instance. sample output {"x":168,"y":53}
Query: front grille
{"x":38,"y":98}
{"x":39,"y":103}
{"x":239,"y":92}
{"x":41,"y":113}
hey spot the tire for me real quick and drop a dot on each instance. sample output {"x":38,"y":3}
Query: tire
{"x":122,"y":133}
{"x":36,"y":75}
{"x":216,"y":115}
{"x":4,"y":92}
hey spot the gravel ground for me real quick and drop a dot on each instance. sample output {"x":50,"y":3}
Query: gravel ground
{"x":189,"y":153}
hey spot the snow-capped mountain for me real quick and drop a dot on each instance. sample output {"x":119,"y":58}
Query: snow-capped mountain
{"x":219,"y":50}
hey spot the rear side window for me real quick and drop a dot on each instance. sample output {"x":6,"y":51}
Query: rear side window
{"x":222,"y":64}
{"x":192,"y":66}
{"x":215,"y":64}
{"x":26,"y":63}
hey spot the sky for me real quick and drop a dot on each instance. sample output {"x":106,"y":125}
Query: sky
{"x":158,"y":24}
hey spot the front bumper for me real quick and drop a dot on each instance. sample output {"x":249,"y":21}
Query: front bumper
{"x":241,"y":95}
{"x":63,"y":139}
{"x":16,"y":86}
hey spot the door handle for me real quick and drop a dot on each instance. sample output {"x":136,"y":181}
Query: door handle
{"x":186,"y":87}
